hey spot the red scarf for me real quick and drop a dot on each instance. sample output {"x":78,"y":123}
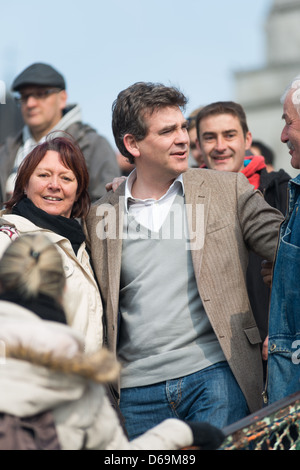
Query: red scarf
{"x":252,"y":168}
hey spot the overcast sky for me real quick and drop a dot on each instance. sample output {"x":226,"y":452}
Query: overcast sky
{"x":101,"y":47}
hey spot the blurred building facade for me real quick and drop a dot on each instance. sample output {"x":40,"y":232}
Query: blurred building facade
{"x":260,"y":90}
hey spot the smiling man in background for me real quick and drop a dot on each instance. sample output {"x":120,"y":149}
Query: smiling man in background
{"x":225,"y":139}
{"x":284,"y":327}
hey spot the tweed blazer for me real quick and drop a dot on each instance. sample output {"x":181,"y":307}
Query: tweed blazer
{"x":226,"y":218}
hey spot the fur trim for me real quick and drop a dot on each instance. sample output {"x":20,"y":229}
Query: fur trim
{"x":100,"y":367}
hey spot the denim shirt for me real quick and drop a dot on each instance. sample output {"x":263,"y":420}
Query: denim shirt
{"x":284,"y":323}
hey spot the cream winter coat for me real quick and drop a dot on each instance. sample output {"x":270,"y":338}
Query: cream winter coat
{"x":42,"y":368}
{"x":82,"y":301}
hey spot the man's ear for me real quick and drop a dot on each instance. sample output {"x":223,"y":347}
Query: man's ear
{"x":248,"y":140}
{"x":63,"y":97}
{"x":131,"y":145}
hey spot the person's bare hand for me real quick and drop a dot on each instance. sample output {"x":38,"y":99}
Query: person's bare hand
{"x":266,"y":272}
{"x":265,"y":349}
{"x":115,"y":183}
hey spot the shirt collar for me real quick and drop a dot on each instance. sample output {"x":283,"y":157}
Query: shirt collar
{"x":176,"y":187}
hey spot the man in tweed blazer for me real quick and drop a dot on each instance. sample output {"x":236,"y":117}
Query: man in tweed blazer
{"x":176,"y":308}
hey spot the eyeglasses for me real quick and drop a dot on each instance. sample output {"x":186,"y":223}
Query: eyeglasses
{"x":37,"y":95}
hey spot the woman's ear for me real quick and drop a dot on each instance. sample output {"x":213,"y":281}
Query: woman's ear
{"x":131,"y":145}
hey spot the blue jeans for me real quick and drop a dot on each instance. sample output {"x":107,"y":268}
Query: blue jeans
{"x":210,"y":395}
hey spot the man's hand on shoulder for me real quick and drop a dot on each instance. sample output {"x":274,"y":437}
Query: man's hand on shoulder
{"x":115,"y":183}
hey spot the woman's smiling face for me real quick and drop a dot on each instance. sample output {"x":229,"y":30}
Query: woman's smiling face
{"x":52,"y":186}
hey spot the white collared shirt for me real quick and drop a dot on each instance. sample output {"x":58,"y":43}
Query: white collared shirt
{"x":151,"y":213}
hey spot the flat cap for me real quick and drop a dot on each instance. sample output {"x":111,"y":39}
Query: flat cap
{"x":40,"y":75}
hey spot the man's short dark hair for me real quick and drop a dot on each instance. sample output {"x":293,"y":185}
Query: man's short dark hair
{"x":133,"y":103}
{"x":223,"y":107}
{"x":265,"y":151}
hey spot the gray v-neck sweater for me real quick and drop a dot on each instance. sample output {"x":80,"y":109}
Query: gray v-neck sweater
{"x":164,"y":331}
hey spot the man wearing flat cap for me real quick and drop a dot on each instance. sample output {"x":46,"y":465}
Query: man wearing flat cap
{"x":43,"y":99}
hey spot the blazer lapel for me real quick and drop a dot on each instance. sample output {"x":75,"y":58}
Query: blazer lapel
{"x":197,"y":200}
{"x":114,"y":248}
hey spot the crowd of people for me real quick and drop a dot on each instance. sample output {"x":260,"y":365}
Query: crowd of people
{"x":151,"y":310}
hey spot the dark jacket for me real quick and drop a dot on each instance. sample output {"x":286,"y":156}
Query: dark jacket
{"x":274,"y":186}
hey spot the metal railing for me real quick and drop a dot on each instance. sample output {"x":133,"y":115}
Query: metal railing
{"x":275,"y":427}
